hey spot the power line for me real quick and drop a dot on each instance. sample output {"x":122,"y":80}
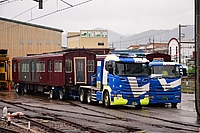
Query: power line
{"x":7,"y":2}
{"x":48,"y":13}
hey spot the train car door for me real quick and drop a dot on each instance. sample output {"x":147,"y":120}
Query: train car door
{"x":80,"y":70}
{"x":49,"y":75}
{"x":32,"y":70}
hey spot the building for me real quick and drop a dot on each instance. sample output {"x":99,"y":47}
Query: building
{"x":150,"y":48}
{"x":21,"y":39}
{"x":96,"y":40}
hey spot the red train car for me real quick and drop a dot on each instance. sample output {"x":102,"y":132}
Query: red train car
{"x":59,"y":73}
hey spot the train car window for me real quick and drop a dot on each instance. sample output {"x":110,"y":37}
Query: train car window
{"x":14,"y":67}
{"x":68,"y":66}
{"x":37,"y":67}
{"x":27,"y":67}
{"x":1,"y":64}
{"x":42,"y":67}
{"x":49,"y":66}
{"x":23,"y":67}
{"x":58,"y":66}
{"x":32,"y":67}
{"x":19,"y":70}
{"x":90,"y":65}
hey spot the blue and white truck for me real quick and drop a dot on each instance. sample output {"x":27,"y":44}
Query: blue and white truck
{"x":165,"y":80}
{"x":119,"y":80}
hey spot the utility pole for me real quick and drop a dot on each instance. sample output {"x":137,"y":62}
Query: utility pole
{"x":197,"y":57}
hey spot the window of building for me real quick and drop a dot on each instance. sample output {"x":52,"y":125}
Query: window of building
{"x":39,"y":41}
{"x":100,"y":44}
{"x":68,"y":66}
{"x":47,"y":41}
{"x":90,"y":65}
{"x":29,"y":41}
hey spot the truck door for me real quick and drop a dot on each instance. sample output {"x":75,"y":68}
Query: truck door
{"x":80,"y":70}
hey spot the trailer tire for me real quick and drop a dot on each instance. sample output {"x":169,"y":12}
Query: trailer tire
{"x":83,"y":97}
{"x":18,"y":89}
{"x":53,"y":94}
{"x":106,"y":99}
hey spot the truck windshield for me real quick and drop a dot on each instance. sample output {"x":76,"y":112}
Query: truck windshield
{"x":167,"y":71}
{"x":131,"y":69}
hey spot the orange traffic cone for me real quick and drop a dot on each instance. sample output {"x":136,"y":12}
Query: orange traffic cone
{"x":9,"y":88}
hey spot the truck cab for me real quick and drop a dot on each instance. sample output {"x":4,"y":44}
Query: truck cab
{"x":165,"y":80}
{"x":121,"y":80}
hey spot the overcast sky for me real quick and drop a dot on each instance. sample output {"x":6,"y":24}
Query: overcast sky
{"x":121,"y":16}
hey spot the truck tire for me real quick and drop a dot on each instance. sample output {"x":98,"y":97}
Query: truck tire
{"x":82,"y":97}
{"x":174,"y":105}
{"x":106,"y":99}
{"x":89,"y":99}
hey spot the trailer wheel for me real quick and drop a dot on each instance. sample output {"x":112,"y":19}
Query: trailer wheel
{"x":83,"y":96}
{"x":53,"y":94}
{"x":18,"y":89}
{"x":61,"y":95}
{"x":106,"y":99}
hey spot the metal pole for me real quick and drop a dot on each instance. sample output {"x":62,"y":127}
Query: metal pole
{"x":179,"y":37}
{"x":197,"y":58}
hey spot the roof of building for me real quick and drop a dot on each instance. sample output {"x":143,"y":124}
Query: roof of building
{"x":29,"y":24}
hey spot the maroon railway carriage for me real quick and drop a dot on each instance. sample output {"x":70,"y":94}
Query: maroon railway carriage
{"x":59,"y":73}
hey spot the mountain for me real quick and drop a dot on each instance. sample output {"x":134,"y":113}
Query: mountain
{"x":158,"y":36}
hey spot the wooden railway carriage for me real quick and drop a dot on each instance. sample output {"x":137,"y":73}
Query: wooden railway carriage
{"x":59,"y":73}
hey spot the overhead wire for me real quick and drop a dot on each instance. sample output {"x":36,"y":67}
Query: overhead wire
{"x":3,"y":2}
{"x":78,"y":4}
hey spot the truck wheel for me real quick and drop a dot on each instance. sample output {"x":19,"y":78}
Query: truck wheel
{"x":83,"y":96}
{"x":106,"y":99}
{"x":18,"y":89}
{"x":89,"y":99}
{"x":53,"y":94}
{"x":61,"y":95}
{"x":174,"y":105}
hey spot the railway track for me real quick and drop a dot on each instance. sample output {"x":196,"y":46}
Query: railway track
{"x":78,"y":117}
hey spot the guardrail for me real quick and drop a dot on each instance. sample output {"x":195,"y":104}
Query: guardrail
{"x":188,"y":84}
